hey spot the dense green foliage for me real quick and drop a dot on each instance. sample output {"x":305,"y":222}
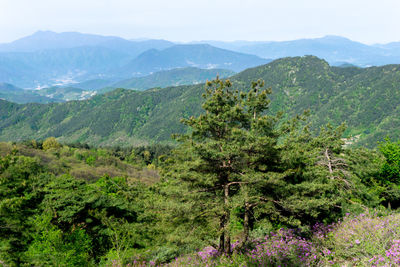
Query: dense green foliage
{"x":238,"y":174}
{"x":366,"y":99}
{"x":65,"y":206}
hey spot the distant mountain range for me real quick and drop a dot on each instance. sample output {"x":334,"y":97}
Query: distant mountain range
{"x":48,"y":40}
{"x":47,"y":58}
{"x":334,"y":49}
{"x":200,"y":56}
{"x":367,"y":99}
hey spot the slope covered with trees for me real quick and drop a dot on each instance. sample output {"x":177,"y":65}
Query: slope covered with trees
{"x":366,"y":99}
{"x":242,"y":187}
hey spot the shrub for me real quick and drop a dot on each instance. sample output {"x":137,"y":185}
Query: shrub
{"x":53,"y":247}
{"x":50,"y":143}
{"x":365,"y":240}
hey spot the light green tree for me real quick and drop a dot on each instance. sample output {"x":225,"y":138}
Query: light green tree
{"x":50,"y":143}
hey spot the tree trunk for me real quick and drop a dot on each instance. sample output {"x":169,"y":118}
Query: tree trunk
{"x":227,"y":243}
{"x":228,"y":249}
{"x":246,"y":222}
{"x":221,"y":247}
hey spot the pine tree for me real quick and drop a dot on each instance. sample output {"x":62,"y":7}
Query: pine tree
{"x":231,"y":146}
{"x":240,"y":161}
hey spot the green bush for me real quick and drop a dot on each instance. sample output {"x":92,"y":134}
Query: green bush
{"x":51,"y":143}
{"x":52,"y":247}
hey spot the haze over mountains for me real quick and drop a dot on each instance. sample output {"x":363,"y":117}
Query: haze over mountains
{"x":75,"y":66}
{"x":334,"y":49}
{"x":47,"y":58}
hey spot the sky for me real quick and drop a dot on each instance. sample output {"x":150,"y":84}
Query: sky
{"x":367,"y":21}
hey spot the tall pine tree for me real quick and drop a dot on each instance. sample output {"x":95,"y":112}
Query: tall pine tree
{"x":240,"y":161}
{"x":231,"y":146}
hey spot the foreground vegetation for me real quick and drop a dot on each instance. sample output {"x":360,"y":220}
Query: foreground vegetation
{"x":364,"y":240}
{"x":242,"y":188}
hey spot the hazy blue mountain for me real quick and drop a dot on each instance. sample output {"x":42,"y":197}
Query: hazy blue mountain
{"x":9,"y":88}
{"x":94,"y":84}
{"x":50,"y":67}
{"x":48,"y":40}
{"x":47,"y":58}
{"x":335,"y":49}
{"x":12,"y":69}
{"x":201,"y":56}
{"x":103,"y":66}
{"x":44,"y":40}
{"x":233,"y":45}
{"x":390,"y":48}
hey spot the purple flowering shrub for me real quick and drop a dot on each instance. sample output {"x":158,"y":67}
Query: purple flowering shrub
{"x":283,"y":248}
{"x":363,"y":240}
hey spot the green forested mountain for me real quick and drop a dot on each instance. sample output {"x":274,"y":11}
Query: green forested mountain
{"x":366,"y":99}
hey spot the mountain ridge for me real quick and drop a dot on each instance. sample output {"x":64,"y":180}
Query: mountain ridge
{"x":366,"y":99}
{"x":179,"y":56}
{"x":74,"y":57}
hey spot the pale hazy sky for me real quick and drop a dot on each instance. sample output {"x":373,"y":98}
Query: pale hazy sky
{"x":367,"y":21}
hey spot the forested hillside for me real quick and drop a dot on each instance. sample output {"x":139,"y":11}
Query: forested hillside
{"x":242,"y":188}
{"x":366,"y":99}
